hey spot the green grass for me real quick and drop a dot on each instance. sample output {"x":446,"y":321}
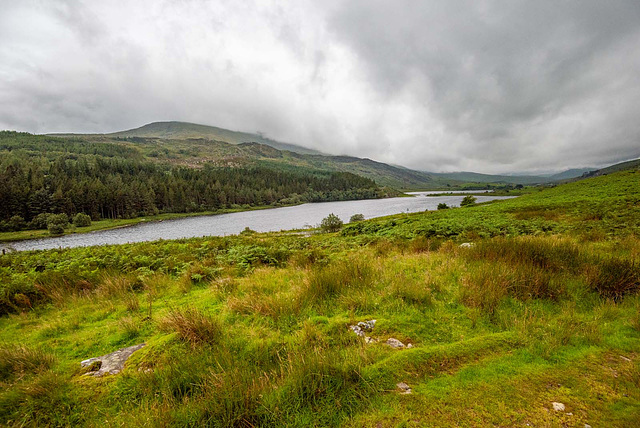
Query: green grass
{"x":253,"y":330}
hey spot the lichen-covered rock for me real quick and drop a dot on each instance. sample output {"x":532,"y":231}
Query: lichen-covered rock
{"x":112,"y":363}
{"x":362,"y":327}
{"x":394,"y":343}
{"x":404,"y":388}
{"x":558,"y":407}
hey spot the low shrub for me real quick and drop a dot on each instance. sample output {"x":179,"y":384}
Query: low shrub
{"x":331,"y":223}
{"x":468,"y":201}
{"x":356,"y":218}
{"x":57,"y":223}
{"x":82,"y":220}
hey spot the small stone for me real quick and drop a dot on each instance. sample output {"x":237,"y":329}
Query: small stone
{"x":558,"y":407}
{"x":409,"y":346}
{"x":569,"y":414}
{"x":362,"y":327}
{"x":395,"y":343}
{"x":368,"y":339}
{"x":467,"y":245}
{"x":367,"y":325}
{"x":628,"y":360}
{"x":587,"y":426}
{"x":404,"y":388}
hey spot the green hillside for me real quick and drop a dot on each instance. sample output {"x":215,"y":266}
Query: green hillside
{"x":534,"y":321}
{"x":183,"y":130}
{"x":476,"y":177}
{"x":195,"y":152}
{"x":622,"y":166}
{"x":194,"y":145}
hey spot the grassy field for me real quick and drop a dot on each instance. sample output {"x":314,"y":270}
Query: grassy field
{"x":254,"y":330}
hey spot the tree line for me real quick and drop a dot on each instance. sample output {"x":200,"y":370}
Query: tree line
{"x":41,"y":174}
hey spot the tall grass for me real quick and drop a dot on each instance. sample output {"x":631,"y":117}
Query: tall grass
{"x":614,"y":278}
{"x":193,"y":326}
{"x":351,"y":274}
{"x":549,"y":254}
{"x":18,"y":360}
{"x":486,"y":284}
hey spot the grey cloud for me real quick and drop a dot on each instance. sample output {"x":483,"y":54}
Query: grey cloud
{"x":494,"y":68}
{"x":483,"y":85}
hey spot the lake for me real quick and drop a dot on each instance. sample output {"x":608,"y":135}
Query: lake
{"x":268,"y":220}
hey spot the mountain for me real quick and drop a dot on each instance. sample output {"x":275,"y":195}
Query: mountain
{"x":622,"y":166}
{"x":570,"y":173}
{"x":513,"y":179}
{"x":184,"y":130}
{"x":476,"y":177}
{"x":194,"y":145}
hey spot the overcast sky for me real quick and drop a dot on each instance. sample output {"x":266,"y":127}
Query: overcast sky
{"x":488,"y":86}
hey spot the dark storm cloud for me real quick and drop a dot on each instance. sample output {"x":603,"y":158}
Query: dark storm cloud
{"x":504,"y":75}
{"x":437,"y":85}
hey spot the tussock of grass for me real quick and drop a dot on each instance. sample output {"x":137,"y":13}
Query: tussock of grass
{"x":352,"y":274}
{"x":544,"y":253}
{"x":118,"y":286}
{"x":47,"y":400}
{"x":193,"y":326}
{"x":18,"y":360}
{"x":274,"y":306}
{"x":615,"y":278}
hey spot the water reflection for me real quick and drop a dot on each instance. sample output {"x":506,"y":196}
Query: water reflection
{"x":268,"y":220}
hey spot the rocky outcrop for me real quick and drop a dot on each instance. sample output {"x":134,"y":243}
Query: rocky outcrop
{"x":112,"y":363}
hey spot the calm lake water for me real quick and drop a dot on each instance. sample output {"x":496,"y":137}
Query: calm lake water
{"x":268,"y":220}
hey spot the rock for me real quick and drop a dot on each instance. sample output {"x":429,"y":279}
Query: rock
{"x":112,"y":363}
{"x":404,"y":388}
{"x":587,"y":426}
{"x":409,"y":346}
{"x":368,"y":339}
{"x":558,"y":407}
{"x":362,"y":327}
{"x":395,"y":343}
{"x":466,"y":245}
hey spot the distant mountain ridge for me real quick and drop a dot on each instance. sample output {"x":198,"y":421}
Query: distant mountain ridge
{"x":622,"y":166}
{"x":512,"y":179}
{"x":199,"y":144}
{"x":184,"y":130}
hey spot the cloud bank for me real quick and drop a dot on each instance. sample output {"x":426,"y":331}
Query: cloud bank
{"x":442,"y":86}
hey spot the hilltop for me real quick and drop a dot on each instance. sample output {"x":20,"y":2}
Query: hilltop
{"x":203,"y":143}
{"x":183,"y":131}
{"x":194,"y":145}
{"x":622,"y":166}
